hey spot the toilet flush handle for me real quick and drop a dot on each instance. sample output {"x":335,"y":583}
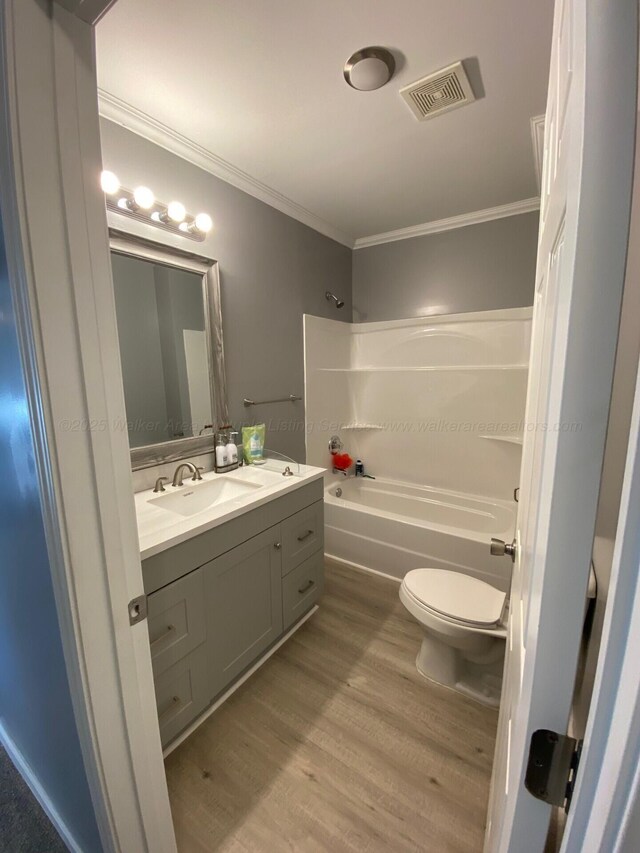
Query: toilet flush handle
{"x":499,"y":548}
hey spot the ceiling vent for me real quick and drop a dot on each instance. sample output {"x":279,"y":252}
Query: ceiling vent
{"x":441,"y":91}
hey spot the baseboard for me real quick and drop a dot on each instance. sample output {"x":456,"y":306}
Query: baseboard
{"x":236,"y":684}
{"x":37,"y":790}
{"x":349,"y":565}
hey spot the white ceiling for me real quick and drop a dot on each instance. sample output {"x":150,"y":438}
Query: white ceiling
{"x":259,"y":84}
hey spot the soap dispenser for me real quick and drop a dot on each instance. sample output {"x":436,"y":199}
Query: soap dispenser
{"x":232,"y":449}
{"x":222,"y":455}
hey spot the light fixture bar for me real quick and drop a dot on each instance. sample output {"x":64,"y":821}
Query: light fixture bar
{"x":140,"y":204}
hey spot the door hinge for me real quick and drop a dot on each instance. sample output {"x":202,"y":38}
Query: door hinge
{"x":552,"y":767}
{"x":137,"y":609}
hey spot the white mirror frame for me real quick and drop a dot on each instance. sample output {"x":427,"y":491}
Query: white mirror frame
{"x":137,"y":247}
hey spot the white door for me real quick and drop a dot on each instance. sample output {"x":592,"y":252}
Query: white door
{"x":589,"y":137}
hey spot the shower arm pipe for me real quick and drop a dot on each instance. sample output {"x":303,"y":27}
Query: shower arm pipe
{"x":331,"y":296}
{"x":290,"y":399}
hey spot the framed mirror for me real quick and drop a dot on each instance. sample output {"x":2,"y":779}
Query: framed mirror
{"x":171,"y":349}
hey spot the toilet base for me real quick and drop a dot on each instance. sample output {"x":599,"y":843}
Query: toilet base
{"x":447,"y":666}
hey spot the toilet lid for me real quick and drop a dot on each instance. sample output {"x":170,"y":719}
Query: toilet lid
{"x":455,"y":595}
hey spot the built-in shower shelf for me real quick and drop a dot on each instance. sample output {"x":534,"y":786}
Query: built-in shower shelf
{"x":362,"y":426}
{"x":433,"y":368}
{"x":508,"y":439}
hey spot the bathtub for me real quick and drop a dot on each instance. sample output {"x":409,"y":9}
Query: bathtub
{"x":393,"y":527}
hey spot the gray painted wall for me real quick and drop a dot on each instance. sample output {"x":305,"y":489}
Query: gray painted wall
{"x":273,"y":270}
{"x":475,"y":268}
{"x":35,"y":701}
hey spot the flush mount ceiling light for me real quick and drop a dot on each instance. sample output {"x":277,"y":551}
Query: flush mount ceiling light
{"x":141,"y":204}
{"x":369,"y":68}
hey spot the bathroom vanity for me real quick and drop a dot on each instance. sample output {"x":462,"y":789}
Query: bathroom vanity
{"x":231,"y":561}
{"x":225,"y":582}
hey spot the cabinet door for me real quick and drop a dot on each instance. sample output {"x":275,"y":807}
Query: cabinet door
{"x":243,"y":604}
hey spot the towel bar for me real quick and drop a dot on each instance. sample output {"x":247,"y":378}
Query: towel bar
{"x":290,"y":399}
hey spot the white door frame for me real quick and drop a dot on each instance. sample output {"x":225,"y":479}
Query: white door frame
{"x":59,"y":261}
{"x":60,"y":271}
{"x":609,"y":774}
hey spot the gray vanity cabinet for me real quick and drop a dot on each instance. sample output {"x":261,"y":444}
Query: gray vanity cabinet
{"x":219,"y":600}
{"x":243,"y":603}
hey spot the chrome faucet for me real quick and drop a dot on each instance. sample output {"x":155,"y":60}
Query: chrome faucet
{"x":177,"y":477}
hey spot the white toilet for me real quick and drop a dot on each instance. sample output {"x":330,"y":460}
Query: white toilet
{"x":463,"y":620}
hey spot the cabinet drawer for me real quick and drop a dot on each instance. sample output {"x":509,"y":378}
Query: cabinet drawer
{"x":176,"y":620}
{"x":302,"y":587}
{"x":181,"y":694}
{"x":302,"y":536}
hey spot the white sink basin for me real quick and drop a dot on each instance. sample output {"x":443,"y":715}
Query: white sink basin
{"x":197,"y":497}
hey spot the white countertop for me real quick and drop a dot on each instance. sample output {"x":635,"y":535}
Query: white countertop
{"x":160,"y":528}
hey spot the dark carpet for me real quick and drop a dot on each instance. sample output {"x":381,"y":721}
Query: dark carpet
{"x":24,"y":827}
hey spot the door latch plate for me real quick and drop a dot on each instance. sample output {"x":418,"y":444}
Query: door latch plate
{"x":552,"y":767}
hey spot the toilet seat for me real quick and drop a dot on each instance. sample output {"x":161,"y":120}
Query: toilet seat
{"x":455,"y":596}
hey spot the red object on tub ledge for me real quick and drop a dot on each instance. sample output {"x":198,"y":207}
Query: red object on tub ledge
{"x":342,"y":461}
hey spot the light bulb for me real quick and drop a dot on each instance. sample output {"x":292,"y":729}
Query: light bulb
{"x":109,"y":183}
{"x":176,"y":211}
{"x":184,"y":226}
{"x":203,"y":222}
{"x":143,"y":197}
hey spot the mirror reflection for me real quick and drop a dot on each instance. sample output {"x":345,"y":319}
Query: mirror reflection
{"x":163,"y":349}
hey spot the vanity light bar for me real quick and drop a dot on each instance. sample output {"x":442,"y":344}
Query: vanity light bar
{"x":141,"y":204}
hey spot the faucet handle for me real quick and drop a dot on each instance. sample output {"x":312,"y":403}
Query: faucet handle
{"x":196,"y":474}
{"x":159,"y":487}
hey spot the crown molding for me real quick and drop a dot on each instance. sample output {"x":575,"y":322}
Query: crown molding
{"x":116,"y":110}
{"x":120,"y":112}
{"x":537,"y":140}
{"x":89,"y":11}
{"x":527,"y":205}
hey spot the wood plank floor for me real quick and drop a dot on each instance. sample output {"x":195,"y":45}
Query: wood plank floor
{"x":338,"y":744}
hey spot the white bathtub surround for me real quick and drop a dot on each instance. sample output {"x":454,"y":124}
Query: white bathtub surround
{"x":433,"y":406}
{"x":431,"y":401}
